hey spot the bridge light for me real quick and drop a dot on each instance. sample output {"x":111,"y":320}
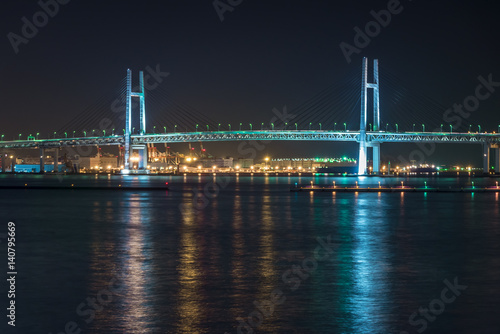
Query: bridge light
{"x":423,"y":127}
{"x":251,"y":128}
{"x":442,"y":128}
{"x":451,"y":128}
{"x":218,"y":127}
{"x":397,"y":127}
{"x":310,"y":126}
{"x":320,"y":126}
{"x":345,"y":127}
{"x":165,"y":129}
{"x":19,"y":136}
{"x":479,"y":127}
{"x":296,"y":126}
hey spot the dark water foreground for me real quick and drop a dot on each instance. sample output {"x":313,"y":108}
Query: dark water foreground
{"x":250,"y":256}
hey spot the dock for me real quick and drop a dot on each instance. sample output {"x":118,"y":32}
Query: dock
{"x":395,"y":189}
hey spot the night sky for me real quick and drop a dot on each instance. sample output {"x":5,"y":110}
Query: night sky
{"x":263,"y":55}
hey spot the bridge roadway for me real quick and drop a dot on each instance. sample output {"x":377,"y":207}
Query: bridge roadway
{"x":262,"y":135}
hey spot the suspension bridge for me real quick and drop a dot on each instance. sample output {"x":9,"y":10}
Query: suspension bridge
{"x":369,"y":136}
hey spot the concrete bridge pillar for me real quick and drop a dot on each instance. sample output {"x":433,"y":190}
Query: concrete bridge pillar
{"x":486,"y":158}
{"x":376,"y":158}
{"x":13,"y":164}
{"x":4,"y":157}
{"x":42,"y":160}
{"x":56,"y":160}
{"x":143,"y":158}
{"x":497,"y":158}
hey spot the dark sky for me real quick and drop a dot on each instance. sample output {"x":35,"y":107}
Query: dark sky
{"x":263,"y":55}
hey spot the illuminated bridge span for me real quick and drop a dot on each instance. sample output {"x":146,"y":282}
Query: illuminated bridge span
{"x":366,"y":139}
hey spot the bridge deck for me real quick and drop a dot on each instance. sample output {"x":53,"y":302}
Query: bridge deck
{"x":262,"y":135}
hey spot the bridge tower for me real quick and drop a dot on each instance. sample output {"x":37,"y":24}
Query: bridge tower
{"x":363,"y":143}
{"x":128,"y":119}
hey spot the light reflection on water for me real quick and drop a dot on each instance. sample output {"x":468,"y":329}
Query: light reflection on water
{"x":198,"y":270}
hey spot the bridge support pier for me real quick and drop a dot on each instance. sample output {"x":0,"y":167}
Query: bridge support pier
{"x":376,"y":158}
{"x":143,"y":158}
{"x":4,"y":157}
{"x":42,"y":160}
{"x":486,"y":158}
{"x":13,"y":164}
{"x":496,"y":148}
{"x":56,"y":160}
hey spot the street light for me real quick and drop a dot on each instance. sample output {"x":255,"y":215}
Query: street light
{"x":295,"y":126}
{"x":397,"y":127}
{"x":319,"y":126}
{"x":262,"y":126}
{"x":104,"y":133}
{"x":286,"y":124}
{"x":65,"y":134}
{"x":423,"y":127}
{"x":251,"y":127}
{"x":470,"y":127}
{"x":240,"y":126}
{"x":19,"y":136}
{"x":334,"y":126}
{"x":75,"y":131}
{"x":413,"y":127}
{"x":345,"y":127}
{"x":164,"y":128}
{"x":196,"y":127}
{"x":370,"y":124}
{"x":386,"y":126}
{"x":310,"y":126}
{"x":451,"y":128}
{"x":229,"y":127}
{"x":54,"y":134}
{"x":442,"y":128}
{"x":175,"y":128}
{"x":479,"y":127}
{"x":154,"y":129}
{"x":272,"y":126}
{"x":4,"y":136}
{"x":218,"y":127}
{"x":208,"y":129}
{"x":85,"y":133}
